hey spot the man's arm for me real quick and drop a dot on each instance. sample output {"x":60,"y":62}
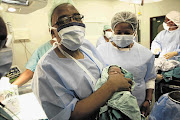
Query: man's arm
{"x":23,"y":78}
{"x":92,"y":103}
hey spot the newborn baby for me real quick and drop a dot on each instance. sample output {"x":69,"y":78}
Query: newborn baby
{"x":122,"y":105}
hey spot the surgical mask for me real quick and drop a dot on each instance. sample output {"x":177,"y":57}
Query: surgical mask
{"x":123,"y":40}
{"x":165,"y":26}
{"x":5,"y":60}
{"x":72,"y":35}
{"x":108,"y":34}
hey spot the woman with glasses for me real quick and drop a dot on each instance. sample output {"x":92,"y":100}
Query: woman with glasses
{"x":65,"y":76}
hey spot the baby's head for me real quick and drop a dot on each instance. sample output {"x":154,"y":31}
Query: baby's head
{"x":114,"y":69}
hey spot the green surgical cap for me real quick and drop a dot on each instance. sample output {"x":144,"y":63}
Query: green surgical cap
{"x":106,"y":27}
{"x":56,"y":3}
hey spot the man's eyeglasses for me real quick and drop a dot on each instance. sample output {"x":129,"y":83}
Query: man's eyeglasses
{"x":67,"y":19}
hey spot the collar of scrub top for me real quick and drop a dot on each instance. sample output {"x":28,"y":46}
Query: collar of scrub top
{"x":80,"y":65}
{"x":90,"y":55}
{"x":127,"y":48}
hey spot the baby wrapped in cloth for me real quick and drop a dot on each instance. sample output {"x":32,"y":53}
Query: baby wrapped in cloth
{"x":122,"y":105}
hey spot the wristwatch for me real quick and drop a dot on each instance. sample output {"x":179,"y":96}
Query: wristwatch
{"x":149,"y":101}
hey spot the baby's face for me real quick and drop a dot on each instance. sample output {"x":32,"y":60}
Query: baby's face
{"x":114,"y":70}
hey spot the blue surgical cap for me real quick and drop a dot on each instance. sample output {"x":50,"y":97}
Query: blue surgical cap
{"x":56,"y":3}
{"x":127,"y":17}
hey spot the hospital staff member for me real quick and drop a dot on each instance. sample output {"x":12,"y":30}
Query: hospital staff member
{"x":167,"y":42}
{"x":107,"y":33}
{"x":125,"y":52}
{"x":5,"y":62}
{"x":65,"y":76}
{"x":32,"y":63}
{"x":5,"y":52}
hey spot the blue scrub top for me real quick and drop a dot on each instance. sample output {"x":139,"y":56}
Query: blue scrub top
{"x":59,"y":83}
{"x":31,"y":64}
{"x":165,"y":109}
{"x":138,"y":60}
{"x":101,"y":40}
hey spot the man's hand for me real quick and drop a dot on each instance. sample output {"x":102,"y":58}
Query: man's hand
{"x":170,"y":55}
{"x":119,"y":82}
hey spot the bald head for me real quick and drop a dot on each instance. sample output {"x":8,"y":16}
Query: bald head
{"x":63,"y":10}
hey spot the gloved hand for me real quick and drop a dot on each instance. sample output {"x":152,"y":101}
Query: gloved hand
{"x":170,"y":54}
{"x":145,"y":109}
{"x":159,"y":77}
{"x":157,"y":51}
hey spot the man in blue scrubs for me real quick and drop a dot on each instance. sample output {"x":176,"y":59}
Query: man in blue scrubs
{"x":167,"y":42}
{"x":65,"y":76}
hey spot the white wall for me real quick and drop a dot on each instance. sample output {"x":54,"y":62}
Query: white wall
{"x":97,"y":13}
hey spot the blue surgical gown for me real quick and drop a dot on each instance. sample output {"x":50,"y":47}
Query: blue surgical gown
{"x":31,"y":64}
{"x":101,"y":40}
{"x":165,"y":109}
{"x":168,"y":42}
{"x":59,"y":83}
{"x":138,"y":60}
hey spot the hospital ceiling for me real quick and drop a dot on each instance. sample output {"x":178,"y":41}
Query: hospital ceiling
{"x":24,"y":6}
{"x":29,"y":6}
